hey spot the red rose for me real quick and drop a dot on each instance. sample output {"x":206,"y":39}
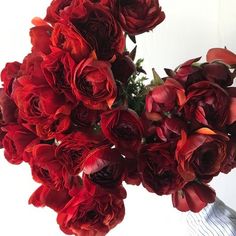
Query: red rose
{"x":139,"y":16}
{"x":70,"y":151}
{"x":194,"y":197}
{"x":98,"y":26}
{"x":94,"y":85}
{"x":40,"y":38}
{"x":104,"y":166}
{"x":58,"y":68}
{"x":123,"y":128}
{"x":55,"y":9}
{"x":207,"y":103}
{"x":9,"y":74}
{"x":201,"y":155}
{"x":231,"y":109}
{"x":164,"y":98}
{"x":65,"y":38}
{"x":91,"y":215}
{"x":83,"y":117}
{"x":16,"y":142}
{"x":45,"y":196}
{"x":46,"y":169}
{"x":158,"y":169}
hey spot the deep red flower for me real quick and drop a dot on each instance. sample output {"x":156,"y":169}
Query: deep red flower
{"x":207,"y":103}
{"x":139,"y":16}
{"x":123,"y":128}
{"x":164,"y":98}
{"x":98,"y":26}
{"x":91,"y":215}
{"x":66,"y":38}
{"x":94,"y":84}
{"x":158,"y":169}
{"x":9,"y":74}
{"x":193,"y":197}
{"x":17,"y":142}
{"x":201,"y":155}
{"x":70,"y":151}
{"x":104,"y":166}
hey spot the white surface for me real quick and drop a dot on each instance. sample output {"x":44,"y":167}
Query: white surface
{"x":190,"y":29}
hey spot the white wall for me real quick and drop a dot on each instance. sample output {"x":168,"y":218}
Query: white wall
{"x":190,"y":29}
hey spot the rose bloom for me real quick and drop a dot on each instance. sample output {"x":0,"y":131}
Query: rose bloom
{"x":123,"y":128}
{"x":70,"y":151}
{"x":16,"y":142}
{"x":83,"y":117}
{"x":91,"y":214}
{"x":139,"y":16}
{"x":98,"y":26}
{"x":201,"y":154}
{"x":55,"y":9}
{"x":66,"y":38}
{"x":104,"y":166}
{"x":207,"y":103}
{"x":58,"y":68}
{"x":193,"y":197}
{"x":158,"y":169}
{"x":94,"y":84}
{"x":164,"y":98}
{"x":9,"y":74}
{"x":46,"y":169}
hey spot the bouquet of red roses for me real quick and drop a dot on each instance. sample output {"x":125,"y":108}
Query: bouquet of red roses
{"x":77,"y":111}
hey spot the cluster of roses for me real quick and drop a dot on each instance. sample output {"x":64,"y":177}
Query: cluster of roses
{"x":63,"y":112}
{"x":190,"y":130}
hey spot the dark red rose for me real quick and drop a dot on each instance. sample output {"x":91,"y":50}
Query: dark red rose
{"x":36,"y":101}
{"x":40,"y":38}
{"x":230,"y":160}
{"x":217,"y":73}
{"x":201,"y":155}
{"x":65,"y":38}
{"x":104,"y":166}
{"x":193,"y":197}
{"x":55,"y":9}
{"x":45,"y":196}
{"x":70,"y":151}
{"x":8,"y":109}
{"x":16,"y":143}
{"x":58,"y":68}
{"x":94,"y":85}
{"x":164,"y":98}
{"x":139,"y":16}
{"x":9,"y":74}
{"x":99,"y":27}
{"x":123,"y":128}
{"x":170,"y":129}
{"x":127,"y":65}
{"x":46,"y":169}
{"x":91,"y":215}
{"x":207,"y":103}
{"x":83,"y":117}
{"x":158,"y":169}
{"x":221,"y":54}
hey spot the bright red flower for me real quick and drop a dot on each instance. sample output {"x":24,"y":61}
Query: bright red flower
{"x":221,"y":54}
